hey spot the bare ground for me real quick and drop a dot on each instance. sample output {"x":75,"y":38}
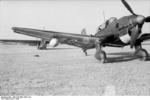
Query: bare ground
{"x":66,"y":70}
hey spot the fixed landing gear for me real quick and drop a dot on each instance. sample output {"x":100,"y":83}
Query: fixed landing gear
{"x":141,"y":53}
{"x":42,"y":46}
{"x":100,"y":54}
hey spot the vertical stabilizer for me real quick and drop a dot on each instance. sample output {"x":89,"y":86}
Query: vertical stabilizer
{"x":83,"y":32}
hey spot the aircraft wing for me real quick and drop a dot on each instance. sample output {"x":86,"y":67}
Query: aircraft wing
{"x":25,"y":42}
{"x":79,"y":40}
{"x":144,"y":37}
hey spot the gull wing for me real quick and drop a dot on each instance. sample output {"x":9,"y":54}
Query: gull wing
{"x":79,"y":40}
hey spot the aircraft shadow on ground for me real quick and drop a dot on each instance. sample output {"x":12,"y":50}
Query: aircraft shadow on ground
{"x":122,"y":57}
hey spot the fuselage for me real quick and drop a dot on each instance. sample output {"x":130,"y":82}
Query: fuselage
{"x":117,"y":32}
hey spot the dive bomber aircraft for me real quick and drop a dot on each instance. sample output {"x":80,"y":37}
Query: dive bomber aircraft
{"x":114,"y":32}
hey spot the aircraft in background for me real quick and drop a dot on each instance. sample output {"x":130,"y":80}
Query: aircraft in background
{"x":41,"y":44}
{"x":114,"y":32}
{"x":15,"y":41}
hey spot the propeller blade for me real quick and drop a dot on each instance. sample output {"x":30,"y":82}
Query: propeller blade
{"x":128,"y":7}
{"x":134,"y":36}
{"x":147,"y":19}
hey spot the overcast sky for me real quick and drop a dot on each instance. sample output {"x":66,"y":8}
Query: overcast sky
{"x":63,"y":15}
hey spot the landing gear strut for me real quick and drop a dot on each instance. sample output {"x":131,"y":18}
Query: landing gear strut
{"x":42,"y":45}
{"x":141,"y":53}
{"x":100,"y":54}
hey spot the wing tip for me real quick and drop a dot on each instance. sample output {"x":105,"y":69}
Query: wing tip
{"x":14,"y":28}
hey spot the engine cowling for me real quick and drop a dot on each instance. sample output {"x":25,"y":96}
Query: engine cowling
{"x":54,"y":42}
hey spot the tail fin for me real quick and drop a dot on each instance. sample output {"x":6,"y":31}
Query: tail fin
{"x":83,"y":32}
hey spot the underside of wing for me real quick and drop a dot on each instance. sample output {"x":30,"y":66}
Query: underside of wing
{"x":144,"y":37}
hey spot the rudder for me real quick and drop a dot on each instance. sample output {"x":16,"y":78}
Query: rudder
{"x":83,"y":32}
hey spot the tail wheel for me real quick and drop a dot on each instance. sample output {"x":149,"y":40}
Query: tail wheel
{"x":101,"y":56}
{"x":142,"y":54}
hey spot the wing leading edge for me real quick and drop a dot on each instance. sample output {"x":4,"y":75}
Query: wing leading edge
{"x":144,"y":37}
{"x":79,"y":40}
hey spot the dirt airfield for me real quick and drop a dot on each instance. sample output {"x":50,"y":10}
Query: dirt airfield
{"x":65,"y":70}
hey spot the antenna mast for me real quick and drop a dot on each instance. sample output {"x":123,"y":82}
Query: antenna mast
{"x":104,"y":16}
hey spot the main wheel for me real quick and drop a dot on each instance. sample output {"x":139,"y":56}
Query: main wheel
{"x":101,"y":56}
{"x":42,"y":46}
{"x":142,"y":54}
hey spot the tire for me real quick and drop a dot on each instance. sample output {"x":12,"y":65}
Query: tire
{"x":101,"y":56}
{"x":142,"y":54}
{"x":42,"y":47}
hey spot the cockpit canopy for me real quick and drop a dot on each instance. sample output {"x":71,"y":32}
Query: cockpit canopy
{"x":106,"y":23}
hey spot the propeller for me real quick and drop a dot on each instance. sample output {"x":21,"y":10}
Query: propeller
{"x":135,"y":35}
{"x":147,"y":19}
{"x":138,"y":22}
{"x":128,"y":7}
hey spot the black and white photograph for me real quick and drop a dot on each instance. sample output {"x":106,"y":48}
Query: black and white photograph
{"x":74,"y":48}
